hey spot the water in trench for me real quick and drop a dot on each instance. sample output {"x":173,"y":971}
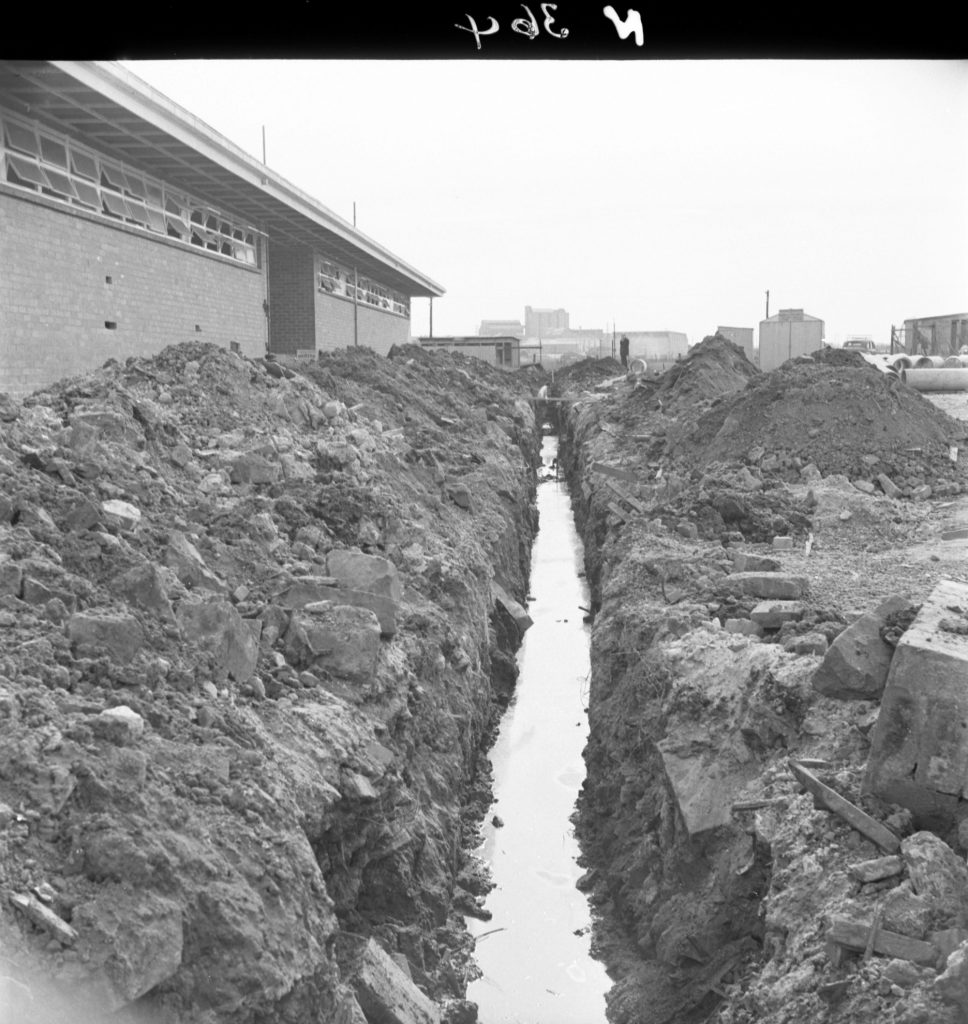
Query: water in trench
{"x":534,"y":952}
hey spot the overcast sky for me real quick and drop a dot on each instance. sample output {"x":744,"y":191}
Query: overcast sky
{"x":659,"y":195}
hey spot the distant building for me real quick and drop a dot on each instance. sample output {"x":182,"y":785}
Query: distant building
{"x":936,"y":335}
{"x":539,"y":323}
{"x":742,"y":336}
{"x":501,"y":329}
{"x":788,"y":334}
{"x":505,"y":353}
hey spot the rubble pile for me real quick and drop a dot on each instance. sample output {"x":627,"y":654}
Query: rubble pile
{"x":753,"y":850}
{"x":251,"y":649}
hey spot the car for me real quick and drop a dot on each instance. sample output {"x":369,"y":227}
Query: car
{"x":859,"y":345}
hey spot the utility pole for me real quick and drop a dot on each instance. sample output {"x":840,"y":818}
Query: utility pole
{"x":767,"y":303}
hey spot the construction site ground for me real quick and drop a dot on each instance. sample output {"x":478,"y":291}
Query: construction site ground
{"x":259,"y":621}
{"x":723,"y":885}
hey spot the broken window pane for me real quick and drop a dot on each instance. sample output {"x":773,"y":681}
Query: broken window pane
{"x":156,"y":221}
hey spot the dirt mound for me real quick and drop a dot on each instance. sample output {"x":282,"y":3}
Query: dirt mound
{"x":837,"y":412}
{"x":716,"y":366}
{"x":585,"y":374}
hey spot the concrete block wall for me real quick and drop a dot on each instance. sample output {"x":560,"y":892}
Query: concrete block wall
{"x":376,"y":329}
{"x":56,"y":299}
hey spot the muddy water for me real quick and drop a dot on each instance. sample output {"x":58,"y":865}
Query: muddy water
{"x":535,"y":951}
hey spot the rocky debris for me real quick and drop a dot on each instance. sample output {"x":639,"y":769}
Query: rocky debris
{"x":918,"y":753}
{"x":857,"y":664}
{"x":247,"y":672}
{"x":386,"y":994}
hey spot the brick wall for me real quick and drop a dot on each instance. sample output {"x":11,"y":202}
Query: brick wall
{"x":292,"y":285}
{"x":55,"y":298}
{"x":376,"y":329}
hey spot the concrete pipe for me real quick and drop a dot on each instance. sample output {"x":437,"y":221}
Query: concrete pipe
{"x":936,"y":378}
{"x":956,"y":361}
{"x":637,"y":367}
{"x":927,"y":362}
{"x":902,"y":362}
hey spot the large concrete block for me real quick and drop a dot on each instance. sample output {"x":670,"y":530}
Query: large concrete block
{"x":919,"y":750}
{"x":856,"y":666}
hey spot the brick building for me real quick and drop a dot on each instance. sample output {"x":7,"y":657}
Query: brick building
{"x":126,"y":224}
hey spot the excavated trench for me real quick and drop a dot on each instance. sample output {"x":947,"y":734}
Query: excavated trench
{"x":534,"y":951}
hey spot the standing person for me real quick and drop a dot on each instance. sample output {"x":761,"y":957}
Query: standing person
{"x":623,"y":350}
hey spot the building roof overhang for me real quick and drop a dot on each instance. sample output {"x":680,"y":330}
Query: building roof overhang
{"x":112,"y":110}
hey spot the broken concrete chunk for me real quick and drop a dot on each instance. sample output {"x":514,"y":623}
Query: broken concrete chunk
{"x":516,"y":610}
{"x":122,"y":635}
{"x":888,"y":486}
{"x":875,"y":870}
{"x":146,"y":587}
{"x":745,"y":562}
{"x":216,"y":626}
{"x":919,"y":747}
{"x":182,"y":556}
{"x":385,"y":993}
{"x":133,"y":940}
{"x":44,"y":917}
{"x":342,"y":640}
{"x":772,"y":614}
{"x":254,"y":469}
{"x":461,"y":496}
{"x":952,"y":984}
{"x":774,"y":585}
{"x":743,"y":627}
{"x":936,"y":872}
{"x":11,"y":577}
{"x":782,"y":543}
{"x":121,"y":725}
{"x":806,"y":643}
{"x":121,"y":514}
{"x":371,"y":574}
{"x":857,"y":664}
{"x":358,"y":787}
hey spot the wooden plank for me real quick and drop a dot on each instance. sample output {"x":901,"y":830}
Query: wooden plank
{"x":858,"y":935}
{"x":877,"y":833}
{"x":613,"y":471}
{"x":625,"y":496}
{"x":616,"y":511}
